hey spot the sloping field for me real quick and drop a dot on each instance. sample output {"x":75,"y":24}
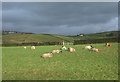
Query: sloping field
{"x":20,"y":64}
{"x":26,"y":38}
{"x":97,"y":35}
{"x":34,"y":38}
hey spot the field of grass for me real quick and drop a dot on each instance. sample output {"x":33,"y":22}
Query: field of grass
{"x":21,"y":64}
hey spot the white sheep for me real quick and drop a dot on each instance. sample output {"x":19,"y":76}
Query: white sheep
{"x":25,"y":47}
{"x":47,"y":55}
{"x":33,"y":47}
{"x":88,"y":47}
{"x":71,"y":49}
{"x":95,"y":50}
{"x":56,"y":51}
{"x":64,"y":48}
{"x":108,"y":45}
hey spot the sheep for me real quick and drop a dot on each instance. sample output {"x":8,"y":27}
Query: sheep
{"x":88,"y":47}
{"x":47,"y":55}
{"x":64,"y":48}
{"x":56,"y":51}
{"x":25,"y":47}
{"x":33,"y":47}
{"x":71,"y":49}
{"x":95,"y":50}
{"x":108,"y":45}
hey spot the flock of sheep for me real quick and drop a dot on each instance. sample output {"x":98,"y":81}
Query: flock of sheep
{"x":90,"y":47}
{"x":70,"y":49}
{"x":33,"y":47}
{"x":57,"y":51}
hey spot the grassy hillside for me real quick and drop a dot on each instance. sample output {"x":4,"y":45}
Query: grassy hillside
{"x":25,"y":38}
{"x":96,"y":35}
{"x":34,"y":38}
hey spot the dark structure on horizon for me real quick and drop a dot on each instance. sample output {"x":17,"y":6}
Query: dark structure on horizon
{"x":15,"y":32}
{"x":81,"y":34}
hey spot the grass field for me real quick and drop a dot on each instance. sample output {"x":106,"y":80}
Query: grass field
{"x":20,"y":64}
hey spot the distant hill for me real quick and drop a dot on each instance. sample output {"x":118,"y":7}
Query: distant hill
{"x":98,"y":35}
{"x":26,"y":38}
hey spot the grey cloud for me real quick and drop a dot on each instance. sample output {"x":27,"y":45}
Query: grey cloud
{"x":60,"y":17}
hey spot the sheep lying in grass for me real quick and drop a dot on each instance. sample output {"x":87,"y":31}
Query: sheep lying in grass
{"x":56,"y":51}
{"x":25,"y":47}
{"x":64,"y":48}
{"x":108,"y":45}
{"x":95,"y":50}
{"x":33,"y":47}
{"x":88,"y":47}
{"x":47,"y":55}
{"x":71,"y":49}
{"x":91,"y":48}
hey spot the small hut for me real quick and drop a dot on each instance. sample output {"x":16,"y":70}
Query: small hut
{"x":81,"y":34}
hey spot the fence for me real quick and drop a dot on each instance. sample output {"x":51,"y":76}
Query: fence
{"x":68,"y":43}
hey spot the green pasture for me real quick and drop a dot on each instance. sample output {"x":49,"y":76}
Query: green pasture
{"x":21,"y":64}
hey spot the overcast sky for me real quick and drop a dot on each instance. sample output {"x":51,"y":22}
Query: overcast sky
{"x":63,"y":18}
